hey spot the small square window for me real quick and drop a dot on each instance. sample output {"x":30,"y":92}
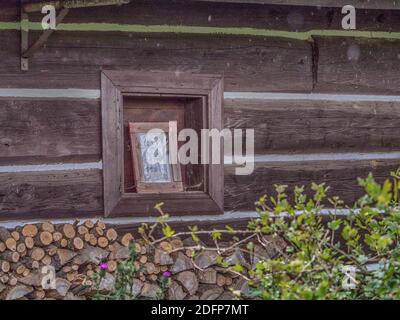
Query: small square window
{"x":134,"y":103}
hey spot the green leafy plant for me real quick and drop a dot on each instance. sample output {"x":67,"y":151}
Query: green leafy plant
{"x":126,"y":272}
{"x":164,"y":281}
{"x":314,"y":252}
{"x":320,"y":247}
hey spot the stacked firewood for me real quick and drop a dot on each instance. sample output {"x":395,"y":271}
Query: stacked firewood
{"x":75,"y":252}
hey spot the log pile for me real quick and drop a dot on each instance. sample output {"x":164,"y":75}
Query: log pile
{"x":75,"y":252}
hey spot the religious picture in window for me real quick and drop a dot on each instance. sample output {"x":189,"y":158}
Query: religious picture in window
{"x":154,"y":153}
{"x":153,"y":170}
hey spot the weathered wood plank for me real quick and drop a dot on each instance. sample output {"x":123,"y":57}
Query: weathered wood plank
{"x":241,"y":192}
{"x":49,"y":130}
{"x":248,"y":63}
{"x":358,"y":66}
{"x":79,"y":193}
{"x":317,"y":126}
{"x":112,"y":142}
{"x":51,"y":194}
{"x":10,"y":11}
{"x":143,"y":204}
{"x":377,"y":4}
{"x":228,"y":14}
{"x":49,"y":79}
{"x":49,"y":76}
{"x":54,"y":131}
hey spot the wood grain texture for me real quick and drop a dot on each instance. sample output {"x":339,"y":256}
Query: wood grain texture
{"x":358,"y":66}
{"x":79,"y":193}
{"x":10,"y":11}
{"x":164,"y":82}
{"x":247,"y":63}
{"x":112,"y":139}
{"x":54,"y":131}
{"x":49,"y":80}
{"x":229,"y":14}
{"x":215,"y":118}
{"x":242,"y":192}
{"x":49,"y":130}
{"x":175,"y":204}
{"x":50,"y":194}
{"x":49,"y":76}
{"x":317,"y":126}
{"x":381,"y":4}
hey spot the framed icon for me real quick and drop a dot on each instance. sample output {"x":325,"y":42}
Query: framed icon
{"x":151,"y":158}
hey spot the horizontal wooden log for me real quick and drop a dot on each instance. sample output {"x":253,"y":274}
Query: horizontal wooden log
{"x":9,"y":13}
{"x":241,"y":192}
{"x":48,"y":79}
{"x":39,"y":131}
{"x":358,"y":66}
{"x":228,"y":14}
{"x":51,"y":194}
{"x":49,"y":76}
{"x":247,"y":63}
{"x":317,"y":126}
{"x":51,"y":130}
{"x":381,"y":4}
{"x":63,"y":60}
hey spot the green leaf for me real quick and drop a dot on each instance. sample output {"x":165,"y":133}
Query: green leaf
{"x":230,"y":229}
{"x":334,"y":224}
{"x":238,"y":268}
{"x":250,"y":246}
{"x":168,"y":232}
{"x":216,"y":235}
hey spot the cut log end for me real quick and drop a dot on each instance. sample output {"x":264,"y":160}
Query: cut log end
{"x":102,"y":242}
{"x":69,"y":231}
{"x":111,"y":234}
{"x":46,"y":238}
{"x":11,"y":244}
{"x":29,"y":230}
{"x":78,"y":243}
{"x":48,"y":226}
{"x":126,"y":239}
{"x":38,"y":254}
{"x":89,"y":224}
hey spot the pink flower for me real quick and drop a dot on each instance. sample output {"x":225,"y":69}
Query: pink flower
{"x":166,"y":274}
{"x":103,"y":266}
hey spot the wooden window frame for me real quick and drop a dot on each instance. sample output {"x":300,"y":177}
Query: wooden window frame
{"x":116,"y":84}
{"x":175,"y":185}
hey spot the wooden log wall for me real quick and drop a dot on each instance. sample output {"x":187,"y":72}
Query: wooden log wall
{"x":294,"y":92}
